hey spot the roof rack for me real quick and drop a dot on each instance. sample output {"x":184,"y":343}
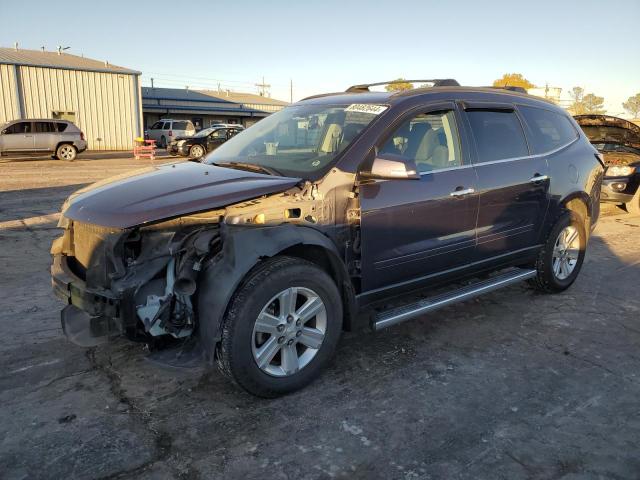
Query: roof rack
{"x":437,"y":82}
{"x":510,"y":88}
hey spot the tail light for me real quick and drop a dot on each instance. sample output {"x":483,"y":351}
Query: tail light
{"x":81,"y":135}
{"x":171,"y":133}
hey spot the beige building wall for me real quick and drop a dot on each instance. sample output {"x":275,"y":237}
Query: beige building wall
{"x":105,"y":106}
{"x":9,"y":108}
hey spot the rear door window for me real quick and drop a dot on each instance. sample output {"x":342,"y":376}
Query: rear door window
{"x":498,"y":134}
{"x":547,"y":130}
{"x":44,"y":127}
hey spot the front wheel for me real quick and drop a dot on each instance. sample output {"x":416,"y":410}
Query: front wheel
{"x":561,"y":258}
{"x":196,"y":152}
{"x":66,"y":152}
{"x":282,"y":327}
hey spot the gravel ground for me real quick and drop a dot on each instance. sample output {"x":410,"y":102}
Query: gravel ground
{"x":512,"y":385}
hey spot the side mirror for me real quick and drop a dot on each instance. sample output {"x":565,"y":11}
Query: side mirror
{"x":392,"y":167}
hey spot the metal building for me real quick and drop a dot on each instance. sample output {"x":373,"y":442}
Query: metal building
{"x":206,"y":107}
{"x":103,"y":100}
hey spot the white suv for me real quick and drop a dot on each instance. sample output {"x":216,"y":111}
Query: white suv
{"x":165,"y":130}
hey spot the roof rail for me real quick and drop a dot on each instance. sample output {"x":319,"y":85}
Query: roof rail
{"x":437,"y":82}
{"x":510,"y":88}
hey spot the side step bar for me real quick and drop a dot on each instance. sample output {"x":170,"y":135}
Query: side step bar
{"x":396,"y":315}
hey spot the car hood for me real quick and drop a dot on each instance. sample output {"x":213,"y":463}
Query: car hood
{"x":608,"y":129}
{"x":168,"y":191}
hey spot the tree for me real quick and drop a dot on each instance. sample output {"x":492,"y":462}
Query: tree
{"x":585,"y":103}
{"x":513,"y":80}
{"x":577,"y":93}
{"x":593,"y":104}
{"x":632,"y":105}
{"x":398,"y":85}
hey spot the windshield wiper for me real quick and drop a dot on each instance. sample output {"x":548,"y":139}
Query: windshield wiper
{"x":251,"y":167}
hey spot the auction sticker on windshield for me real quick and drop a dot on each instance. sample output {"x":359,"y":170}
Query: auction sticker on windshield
{"x":366,"y":108}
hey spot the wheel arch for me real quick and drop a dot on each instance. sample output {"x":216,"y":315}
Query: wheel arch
{"x":243,"y":249}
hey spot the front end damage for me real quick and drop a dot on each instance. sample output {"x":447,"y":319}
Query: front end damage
{"x":135,"y":282}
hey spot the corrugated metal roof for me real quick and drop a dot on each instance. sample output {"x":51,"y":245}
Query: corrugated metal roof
{"x":244,"y":97}
{"x":180,"y":94}
{"x":38,"y":58}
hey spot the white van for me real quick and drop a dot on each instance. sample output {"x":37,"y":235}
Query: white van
{"x":165,"y":130}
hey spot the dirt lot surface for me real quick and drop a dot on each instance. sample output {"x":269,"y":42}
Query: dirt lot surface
{"x":512,"y":385}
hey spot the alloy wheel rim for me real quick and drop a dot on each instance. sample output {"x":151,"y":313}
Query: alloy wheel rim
{"x":289,"y":331}
{"x":66,"y":153}
{"x":566,"y":252}
{"x":197,"y":151}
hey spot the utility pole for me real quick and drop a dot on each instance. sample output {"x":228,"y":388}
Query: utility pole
{"x":151,"y":82}
{"x":263,"y":87}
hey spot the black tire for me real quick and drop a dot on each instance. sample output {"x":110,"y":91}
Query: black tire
{"x":234,"y":352}
{"x":546,"y":280}
{"x":163,"y":142}
{"x":66,"y":152}
{"x":633,"y":207}
{"x":194,"y":150}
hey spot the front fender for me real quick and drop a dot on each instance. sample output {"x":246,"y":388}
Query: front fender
{"x":243,"y":248}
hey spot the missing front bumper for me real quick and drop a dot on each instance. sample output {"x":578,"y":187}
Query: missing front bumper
{"x":87,"y":331}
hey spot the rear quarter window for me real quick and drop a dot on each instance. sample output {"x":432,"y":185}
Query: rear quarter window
{"x":547,"y":130}
{"x":61,"y":127}
{"x":180,"y":126}
{"x":498,"y":134}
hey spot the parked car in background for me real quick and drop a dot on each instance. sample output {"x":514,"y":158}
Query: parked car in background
{"x":331,"y":212}
{"x":618,"y":141}
{"x":165,"y":130}
{"x":37,"y":136}
{"x":203,"y":142}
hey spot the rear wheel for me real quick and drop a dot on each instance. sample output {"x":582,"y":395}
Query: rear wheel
{"x":66,"y":152}
{"x":282,"y":327}
{"x":196,"y":152}
{"x":633,"y":207}
{"x":561,"y":258}
{"x":163,"y":142}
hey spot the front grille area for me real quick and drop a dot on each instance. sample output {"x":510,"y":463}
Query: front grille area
{"x":89,"y":242}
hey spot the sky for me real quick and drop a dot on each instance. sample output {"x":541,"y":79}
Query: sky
{"x":327,"y":46}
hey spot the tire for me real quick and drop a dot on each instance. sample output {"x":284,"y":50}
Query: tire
{"x":196,"y":152}
{"x":66,"y":152}
{"x":561,"y":258}
{"x":264,"y":293}
{"x":633,"y":207}
{"x":163,"y":142}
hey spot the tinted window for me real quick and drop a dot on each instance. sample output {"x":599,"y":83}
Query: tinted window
{"x":61,"y":127}
{"x":498,"y":135}
{"x":431,"y":140}
{"x":44,"y":127}
{"x":20,"y":127}
{"x":179,"y":125}
{"x":220,"y":133}
{"x":156,"y":126}
{"x":549,"y":130}
{"x":166,"y":126}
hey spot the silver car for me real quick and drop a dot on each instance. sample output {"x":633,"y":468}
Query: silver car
{"x":59,"y":137}
{"x":165,"y":130}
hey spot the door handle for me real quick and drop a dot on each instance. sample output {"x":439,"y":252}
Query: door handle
{"x":539,"y":178}
{"x":462,"y":192}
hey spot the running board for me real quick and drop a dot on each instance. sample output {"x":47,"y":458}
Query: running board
{"x":396,"y":315}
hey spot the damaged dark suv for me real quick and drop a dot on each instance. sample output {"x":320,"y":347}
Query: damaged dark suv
{"x":326,"y":216}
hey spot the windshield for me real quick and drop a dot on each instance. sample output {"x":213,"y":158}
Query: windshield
{"x":297,"y":141}
{"x":204,"y":133}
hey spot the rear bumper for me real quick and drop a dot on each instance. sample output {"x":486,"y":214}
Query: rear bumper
{"x":81,"y":146}
{"x":91,"y":316}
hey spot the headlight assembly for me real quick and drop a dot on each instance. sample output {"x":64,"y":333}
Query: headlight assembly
{"x":620,"y":170}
